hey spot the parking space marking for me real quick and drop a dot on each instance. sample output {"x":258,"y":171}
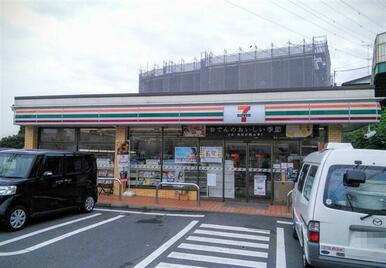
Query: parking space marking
{"x":165,"y":246}
{"x":47,"y":229}
{"x":280,"y":248}
{"x":235,"y":228}
{"x":56,"y":239}
{"x":173,"y":265}
{"x":243,"y":252}
{"x":218,"y":260}
{"x":233,"y":235}
{"x":285,"y":222}
{"x":227,"y":242}
{"x":152,"y":213}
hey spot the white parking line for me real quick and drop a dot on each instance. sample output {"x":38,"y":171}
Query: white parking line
{"x":284,"y":222}
{"x":165,"y":246}
{"x":280,"y":248}
{"x":233,"y":235}
{"x":56,"y":239}
{"x":235,"y":228}
{"x":227,"y":242}
{"x":243,"y":252}
{"x":47,"y":229}
{"x":151,"y":213}
{"x":173,"y":265}
{"x":218,"y":260}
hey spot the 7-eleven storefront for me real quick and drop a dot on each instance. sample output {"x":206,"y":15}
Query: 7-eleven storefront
{"x":244,"y":146}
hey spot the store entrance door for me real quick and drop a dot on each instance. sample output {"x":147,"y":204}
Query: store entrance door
{"x":251,"y":167}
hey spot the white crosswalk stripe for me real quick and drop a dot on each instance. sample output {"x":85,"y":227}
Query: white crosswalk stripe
{"x":233,"y":235}
{"x":173,"y":265}
{"x":235,"y":228}
{"x":218,"y":260}
{"x":243,"y":252}
{"x":208,"y":246}
{"x":227,"y":242}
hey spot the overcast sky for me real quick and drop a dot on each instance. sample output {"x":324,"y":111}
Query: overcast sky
{"x":73,"y":47}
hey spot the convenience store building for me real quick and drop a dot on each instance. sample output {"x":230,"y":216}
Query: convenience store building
{"x":244,"y":145}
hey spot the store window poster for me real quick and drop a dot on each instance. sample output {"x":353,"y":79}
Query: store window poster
{"x":185,"y":155}
{"x":211,"y":154}
{"x":259,"y":184}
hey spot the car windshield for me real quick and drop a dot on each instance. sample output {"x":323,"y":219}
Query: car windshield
{"x":369,"y":197}
{"x":15,"y":165}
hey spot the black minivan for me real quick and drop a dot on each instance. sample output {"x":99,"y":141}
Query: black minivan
{"x":38,"y":182}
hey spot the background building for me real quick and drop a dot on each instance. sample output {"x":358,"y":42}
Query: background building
{"x":379,"y":65}
{"x":302,"y":65}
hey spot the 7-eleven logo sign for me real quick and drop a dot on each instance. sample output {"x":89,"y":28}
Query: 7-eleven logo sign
{"x":244,"y":112}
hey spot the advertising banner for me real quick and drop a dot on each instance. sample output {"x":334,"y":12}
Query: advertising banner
{"x":259,"y":185}
{"x":246,"y":131}
{"x":193,"y":131}
{"x":211,"y":154}
{"x":185,"y":155}
{"x":211,"y":177}
{"x":299,"y":131}
{"x":123,"y":166}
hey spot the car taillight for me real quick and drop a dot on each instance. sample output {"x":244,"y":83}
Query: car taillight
{"x":314,"y":231}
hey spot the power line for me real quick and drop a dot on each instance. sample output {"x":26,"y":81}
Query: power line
{"x":359,"y":13}
{"x":351,"y":64}
{"x":263,"y":18}
{"x":315,"y":13}
{"x":344,"y":15}
{"x":297,"y":15}
{"x":334,"y":23}
{"x":353,"y":69}
{"x":348,"y":53}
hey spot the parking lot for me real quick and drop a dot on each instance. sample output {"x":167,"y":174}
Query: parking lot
{"x":133,"y":238}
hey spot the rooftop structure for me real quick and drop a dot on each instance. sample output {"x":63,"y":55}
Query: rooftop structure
{"x":293,"y":66}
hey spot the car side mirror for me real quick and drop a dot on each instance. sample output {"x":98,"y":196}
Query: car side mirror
{"x":47,"y":173}
{"x":353,"y":178}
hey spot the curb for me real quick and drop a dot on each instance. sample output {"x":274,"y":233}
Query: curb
{"x":146,"y":208}
{"x":164,"y":209}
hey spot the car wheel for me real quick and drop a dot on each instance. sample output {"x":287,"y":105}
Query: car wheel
{"x":16,"y":218}
{"x":88,"y":204}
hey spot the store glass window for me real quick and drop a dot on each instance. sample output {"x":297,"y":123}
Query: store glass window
{"x":145,"y":156}
{"x":211,"y":174}
{"x":314,"y":144}
{"x":101,"y":143}
{"x":57,"y":139}
{"x":287,"y":159}
{"x":180,"y":159}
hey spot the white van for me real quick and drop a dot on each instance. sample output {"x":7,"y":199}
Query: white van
{"x":339,"y":207}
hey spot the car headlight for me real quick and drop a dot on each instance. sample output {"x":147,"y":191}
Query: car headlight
{"x":7,"y":190}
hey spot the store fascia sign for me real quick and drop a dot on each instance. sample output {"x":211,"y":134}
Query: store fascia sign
{"x":244,"y":114}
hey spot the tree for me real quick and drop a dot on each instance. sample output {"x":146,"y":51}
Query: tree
{"x":378,"y":141}
{"x":13,"y":141}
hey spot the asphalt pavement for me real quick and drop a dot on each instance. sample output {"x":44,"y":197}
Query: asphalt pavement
{"x":119,"y":238}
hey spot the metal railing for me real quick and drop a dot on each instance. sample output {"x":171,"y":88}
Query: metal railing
{"x":179,"y":185}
